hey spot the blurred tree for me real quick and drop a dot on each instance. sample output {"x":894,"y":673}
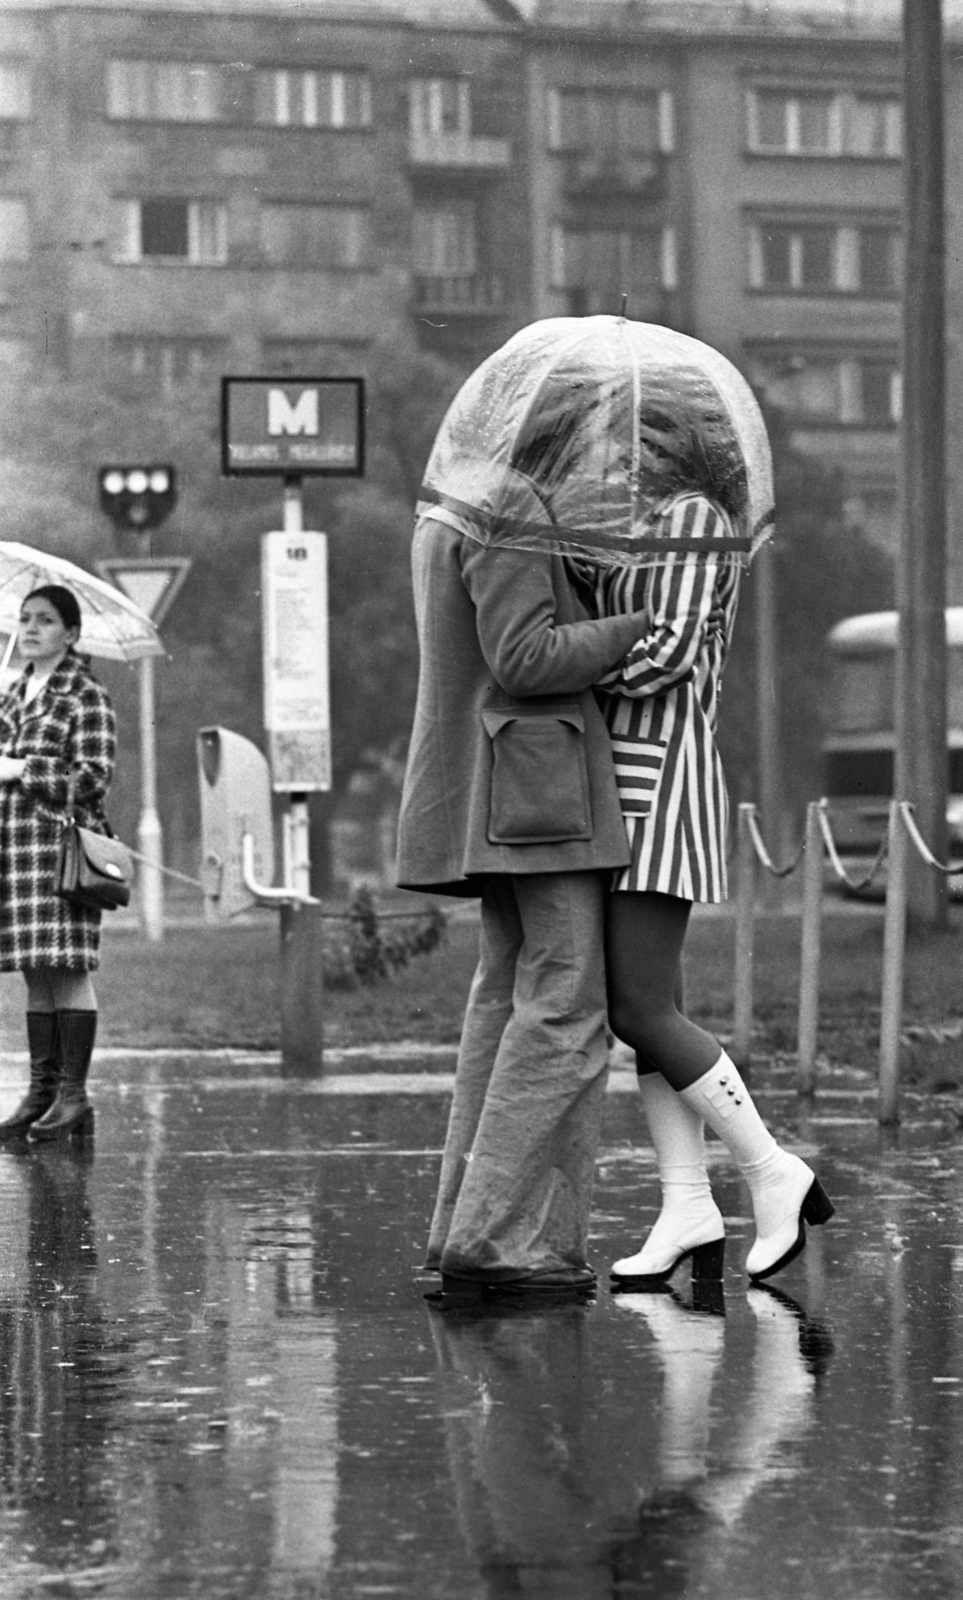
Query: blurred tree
{"x":825,"y":570}
{"x":54,"y":437}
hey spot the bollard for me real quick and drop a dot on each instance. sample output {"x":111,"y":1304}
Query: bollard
{"x":302,"y":987}
{"x":894,"y":949}
{"x":741,"y":1046}
{"x":812,"y":907}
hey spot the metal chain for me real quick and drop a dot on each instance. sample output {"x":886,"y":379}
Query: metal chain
{"x":168,"y":872}
{"x":765,"y":858}
{"x":949,"y":870}
{"x":855,"y":884}
{"x":328,"y":916}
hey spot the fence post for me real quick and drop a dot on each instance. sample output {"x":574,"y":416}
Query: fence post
{"x":812,"y":907}
{"x":745,"y":929}
{"x":302,"y":988}
{"x":894,"y":948}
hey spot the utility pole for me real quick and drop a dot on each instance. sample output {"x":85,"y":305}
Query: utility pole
{"x":921,"y":750}
{"x":768,"y":732}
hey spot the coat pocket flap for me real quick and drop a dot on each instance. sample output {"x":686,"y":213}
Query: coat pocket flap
{"x":540,"y":790}
{"x":497,"y":719}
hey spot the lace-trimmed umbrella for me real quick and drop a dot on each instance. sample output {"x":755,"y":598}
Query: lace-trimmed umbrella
{"x":111,"y":624}
{"x":574,"y":436}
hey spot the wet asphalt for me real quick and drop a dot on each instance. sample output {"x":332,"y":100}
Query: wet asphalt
{"x":220,"y":1376}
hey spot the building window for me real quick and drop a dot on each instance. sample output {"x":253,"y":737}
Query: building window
{"x":164,"y":230}
{"x":595,"y":267}
{"x":794,"y":123}
{"x":303,"y":357}
{"x":165,"y":91}
{"x":440,"y":105}
{"x":444,"y":241}
{"x":320,"y":236}
{"x":14,"y":229}
{"x":825,"y":258}
{"x":858,"y":390}
{"x":874,"y":126}
{"x":14,"y":90}
{"x":809,"y":122}
{"x":593,"y":120}
{"x":164,"y":363}
{"x":880,"y":260}
{"x":291,"y":99}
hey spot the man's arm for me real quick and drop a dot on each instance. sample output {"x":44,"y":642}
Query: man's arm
{"x":527,"y":650}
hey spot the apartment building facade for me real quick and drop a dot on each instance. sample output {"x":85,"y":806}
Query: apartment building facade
{"x":185,"y":191}
{"x":257,"y":186}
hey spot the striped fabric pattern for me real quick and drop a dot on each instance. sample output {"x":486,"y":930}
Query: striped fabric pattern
{"x":638,"y":763}
{"x":661,"y":706}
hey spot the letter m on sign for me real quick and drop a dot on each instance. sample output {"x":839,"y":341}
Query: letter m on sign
{"x":301,"y":417}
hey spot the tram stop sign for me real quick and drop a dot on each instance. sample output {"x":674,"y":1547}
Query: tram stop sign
{"x":292,"y":427}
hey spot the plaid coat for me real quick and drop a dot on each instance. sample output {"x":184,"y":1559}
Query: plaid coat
{"x":69,"y":724}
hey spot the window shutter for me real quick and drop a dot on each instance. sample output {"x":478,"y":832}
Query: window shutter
{"x":666,"y":122}
{"x":670,"y":259}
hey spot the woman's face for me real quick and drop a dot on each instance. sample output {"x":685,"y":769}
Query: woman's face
{"x":43,"y":636}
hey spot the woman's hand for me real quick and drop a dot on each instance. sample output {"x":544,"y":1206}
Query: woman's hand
{"x":11,"y":767}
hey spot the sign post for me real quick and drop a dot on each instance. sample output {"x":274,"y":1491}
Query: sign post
{"x":154,"y":583}
{"x":290,"y":428}
{"x":294,"y":598}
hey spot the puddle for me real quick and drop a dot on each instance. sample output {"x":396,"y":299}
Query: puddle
{"x":218,"y":1376}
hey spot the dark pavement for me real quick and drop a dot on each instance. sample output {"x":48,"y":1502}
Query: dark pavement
{"x":219,"y":1376}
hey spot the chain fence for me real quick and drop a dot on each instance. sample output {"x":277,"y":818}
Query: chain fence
{"x":816,"y":847}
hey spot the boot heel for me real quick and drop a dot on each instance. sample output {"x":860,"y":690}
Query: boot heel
{"x":84,"y":1127}
{"x":707,"y":1261}
{"x":817,"y":1206}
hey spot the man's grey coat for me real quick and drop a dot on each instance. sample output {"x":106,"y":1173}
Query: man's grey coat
{"x":509,"y":766}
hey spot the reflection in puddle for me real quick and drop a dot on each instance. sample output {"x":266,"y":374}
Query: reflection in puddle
{"x":217,"y":1377}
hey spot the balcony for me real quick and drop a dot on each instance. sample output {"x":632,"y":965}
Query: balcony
{"x":462,"y":295}
{"x":462,"y":152}
{"x":610,"y":174}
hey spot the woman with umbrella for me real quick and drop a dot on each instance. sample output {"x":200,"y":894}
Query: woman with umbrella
{"x":56,"y":726}
{"x":641,"y":455}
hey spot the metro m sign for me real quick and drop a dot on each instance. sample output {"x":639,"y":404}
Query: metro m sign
{"x":290,"y":427}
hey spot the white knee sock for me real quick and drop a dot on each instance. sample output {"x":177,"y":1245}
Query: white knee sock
{"x":689,"y":1216}
{"x":678,"y":1138}
{"x":721,"y":1098}
{"x":778,"y":1181}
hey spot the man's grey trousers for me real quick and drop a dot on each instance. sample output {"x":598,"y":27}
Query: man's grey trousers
{"x":516,"y":1179}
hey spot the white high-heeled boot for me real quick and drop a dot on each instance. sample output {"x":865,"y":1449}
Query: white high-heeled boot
{"x":690,"y":1223}
{"x":786,"y":1193}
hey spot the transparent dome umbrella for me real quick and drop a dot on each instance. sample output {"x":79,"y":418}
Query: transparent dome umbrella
{"x":111,"y":624}
{"x":572,"y":436}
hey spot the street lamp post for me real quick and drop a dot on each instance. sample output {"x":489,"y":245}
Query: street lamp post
{"x":138,"y":499}
{"x":921,"y":749}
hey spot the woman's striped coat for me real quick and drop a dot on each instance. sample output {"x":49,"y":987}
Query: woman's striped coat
{"x":661,"y":710}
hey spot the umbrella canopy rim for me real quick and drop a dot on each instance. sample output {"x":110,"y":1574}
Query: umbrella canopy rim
{"x":38,"y":568}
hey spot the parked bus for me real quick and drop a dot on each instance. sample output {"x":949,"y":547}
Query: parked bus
{"x":859,"y":743}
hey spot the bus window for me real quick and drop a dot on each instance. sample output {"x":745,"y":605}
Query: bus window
{"x":859,"y":738}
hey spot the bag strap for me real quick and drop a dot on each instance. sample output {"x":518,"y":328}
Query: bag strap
{"x":72,"y":776}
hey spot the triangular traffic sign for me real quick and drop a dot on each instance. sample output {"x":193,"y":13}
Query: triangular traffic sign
{"x":152,"y":582}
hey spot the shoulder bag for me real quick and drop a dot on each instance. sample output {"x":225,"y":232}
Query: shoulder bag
{"x":95,"y":870}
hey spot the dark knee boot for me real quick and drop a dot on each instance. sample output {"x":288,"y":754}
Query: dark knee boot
{"x":44,"y":1075}
{"x":71,"y":1112}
